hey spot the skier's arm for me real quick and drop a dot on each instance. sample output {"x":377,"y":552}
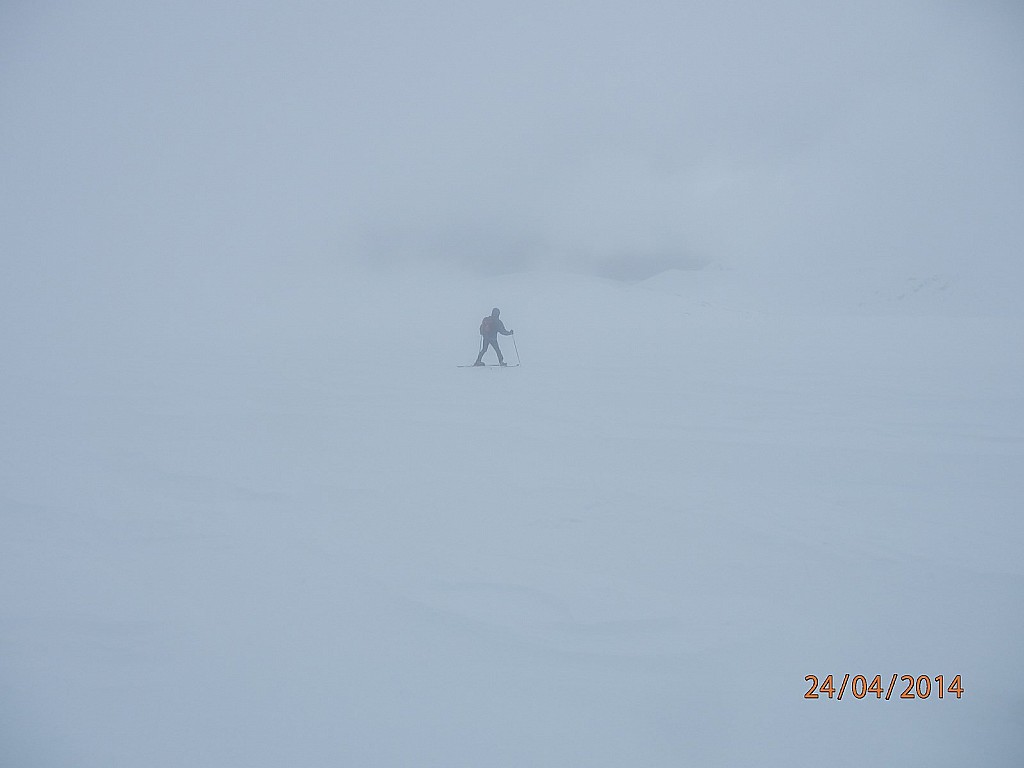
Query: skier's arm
{"x":501,"y":329}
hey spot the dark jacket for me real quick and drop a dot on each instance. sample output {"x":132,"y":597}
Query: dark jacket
{"x":492,"y":326}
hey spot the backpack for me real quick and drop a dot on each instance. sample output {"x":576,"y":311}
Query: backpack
{"x":488,"y":327}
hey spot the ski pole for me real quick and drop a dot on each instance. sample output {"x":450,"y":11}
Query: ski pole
{"x":516,"y":348}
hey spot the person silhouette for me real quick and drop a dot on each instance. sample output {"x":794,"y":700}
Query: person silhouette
{"x":489,"y":330}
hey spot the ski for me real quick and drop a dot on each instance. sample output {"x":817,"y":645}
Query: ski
{"x":490,"y":365}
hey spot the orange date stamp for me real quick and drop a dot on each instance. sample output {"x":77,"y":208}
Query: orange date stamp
{"x":860,"y":687}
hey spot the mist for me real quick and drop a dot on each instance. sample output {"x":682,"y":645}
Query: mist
{"x":761,"y":419}
{"x":617,"y":140}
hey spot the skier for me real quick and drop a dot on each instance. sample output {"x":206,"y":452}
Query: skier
{"x":489,"y":329}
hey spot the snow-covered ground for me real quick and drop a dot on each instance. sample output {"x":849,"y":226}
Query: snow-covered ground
{"x":293,"y":532}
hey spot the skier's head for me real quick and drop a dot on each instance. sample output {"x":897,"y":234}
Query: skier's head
{"x":495,"y":312}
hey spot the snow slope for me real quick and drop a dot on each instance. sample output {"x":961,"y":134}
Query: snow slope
{"x":292,"y":532}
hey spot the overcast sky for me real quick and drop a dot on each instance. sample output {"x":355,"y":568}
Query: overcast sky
{"x":616,"y":137}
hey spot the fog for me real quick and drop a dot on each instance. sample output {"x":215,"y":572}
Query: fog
{"x":617,"y":139}
{"x":763,"y":263}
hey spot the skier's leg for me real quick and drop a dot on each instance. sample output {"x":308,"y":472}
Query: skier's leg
{"x":494,"y":343}
{"x":483,"y":348}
